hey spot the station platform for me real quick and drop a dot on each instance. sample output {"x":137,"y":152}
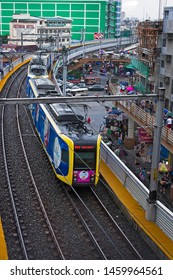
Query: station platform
{"x":159,"y":241}
{"x":3,"y":248}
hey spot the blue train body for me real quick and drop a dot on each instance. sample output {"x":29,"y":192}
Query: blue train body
{"x":73,"y":149}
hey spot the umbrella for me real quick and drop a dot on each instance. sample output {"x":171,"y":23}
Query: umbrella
{"x":169,"y":114}
{"x":164,"y":167}
{"x":114,"y":111}
{"x":165,"y":111}
{"x":130,"y":88}
{"x":120,"y":152}
{"x":122,"y":117}
{"x":130,"y":66}
{"x":124,"y":83}
{"x":110,"y":116}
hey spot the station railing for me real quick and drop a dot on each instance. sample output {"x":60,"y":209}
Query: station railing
{"x":164,"y":217}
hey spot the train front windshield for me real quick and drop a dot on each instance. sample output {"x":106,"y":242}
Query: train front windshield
{"x":84,"y":160}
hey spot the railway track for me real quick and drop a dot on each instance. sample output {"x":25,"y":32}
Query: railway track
{"x":109,"y":239}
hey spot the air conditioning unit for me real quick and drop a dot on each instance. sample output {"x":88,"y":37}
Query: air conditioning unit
{"x":168,"y":58}
{"x":166,"y":80}
{"x":170,"y":36}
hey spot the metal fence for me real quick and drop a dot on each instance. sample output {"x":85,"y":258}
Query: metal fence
{"x":15,"y":63}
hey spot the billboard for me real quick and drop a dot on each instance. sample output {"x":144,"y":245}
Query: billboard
{"x":98,"y":35}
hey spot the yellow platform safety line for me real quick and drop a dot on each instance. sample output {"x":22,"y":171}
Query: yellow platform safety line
{"x":137,"y":212}
{"x":3,"y":248}
{"x":6,"y":77}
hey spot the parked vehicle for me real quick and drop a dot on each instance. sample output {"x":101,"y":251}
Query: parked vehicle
{"x":91,"y":80}
{"x":68,"y":84}
{"x":96,"y":88}
{"x":75,"y":89}
{"x":82,"y":84}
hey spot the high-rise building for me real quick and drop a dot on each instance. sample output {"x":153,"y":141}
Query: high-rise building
{"x":88,"y":17}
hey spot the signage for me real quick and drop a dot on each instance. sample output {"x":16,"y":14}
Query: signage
{"x":98,"y":35}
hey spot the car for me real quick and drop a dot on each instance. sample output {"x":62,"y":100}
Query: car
{"x":75,"y":89}
{"x":68,"y":84}
{"x":96,"y":88}
{"x":81,"y":85}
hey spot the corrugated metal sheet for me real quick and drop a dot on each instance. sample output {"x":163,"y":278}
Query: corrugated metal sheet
{"x":164,"y":217}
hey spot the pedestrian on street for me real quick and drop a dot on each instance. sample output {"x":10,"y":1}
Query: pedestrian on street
{"x":143,"y":103}
{"x":151,"y":107}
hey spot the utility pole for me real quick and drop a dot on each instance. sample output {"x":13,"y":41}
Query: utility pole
{"x":57,"y":41}
{"x":22,"y":41}
{"x":151,"y":208}
{"x":64,"y":56}
{"x":83,"y":41}
{"x":160,"y":9}
{"x":1,"y":59}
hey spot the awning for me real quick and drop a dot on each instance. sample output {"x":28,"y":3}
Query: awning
{"x":130,"y":66}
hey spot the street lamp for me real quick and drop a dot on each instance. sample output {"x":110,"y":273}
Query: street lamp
{"x":64,"y":56}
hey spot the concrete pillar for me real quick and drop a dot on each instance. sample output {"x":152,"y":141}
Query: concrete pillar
{"x":131,"y":128}
{"x":129,"y":140}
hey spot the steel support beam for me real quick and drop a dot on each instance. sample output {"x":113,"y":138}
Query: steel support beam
{"x":79,"y":99}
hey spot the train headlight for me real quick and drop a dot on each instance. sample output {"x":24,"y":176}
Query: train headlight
{"x":74,"y":177}
{"x":92,"y":177}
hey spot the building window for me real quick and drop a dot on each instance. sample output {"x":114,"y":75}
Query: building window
{"x":166,"y":15}
{"x":161,"y":84}
{"x":164,"y":42}
{"x":162,"y":64}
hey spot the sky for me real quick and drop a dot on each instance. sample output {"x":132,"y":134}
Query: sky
{"x":145,"y":9}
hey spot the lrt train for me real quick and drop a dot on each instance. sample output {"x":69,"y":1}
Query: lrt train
{"x":40,"y":66}
{"x":37,"y":68}
{"x":72,"y":147}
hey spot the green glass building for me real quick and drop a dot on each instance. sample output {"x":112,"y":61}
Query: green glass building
{"x":87,"y":16}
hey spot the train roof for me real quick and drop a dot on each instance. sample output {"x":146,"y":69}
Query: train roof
{"x":67,"y":117}
{"x":36,"y":61}
{"x":72,"y":123}
{"x":37,"y":70}
{"x":44,"y":84}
